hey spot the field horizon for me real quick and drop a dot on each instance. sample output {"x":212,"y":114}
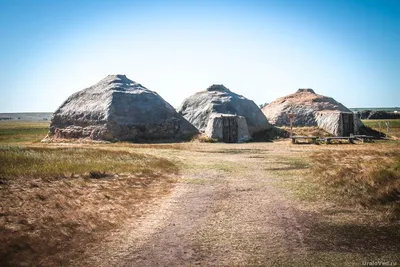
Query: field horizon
{"x":47,"y":114}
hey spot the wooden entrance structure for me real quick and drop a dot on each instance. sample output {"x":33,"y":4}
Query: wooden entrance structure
{"x":230,"y":129}
{"x":347,"y":124}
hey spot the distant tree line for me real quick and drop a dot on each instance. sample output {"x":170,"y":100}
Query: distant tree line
{"x":263,"y":105}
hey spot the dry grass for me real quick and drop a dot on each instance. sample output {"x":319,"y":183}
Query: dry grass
{"x":307,"y":131}
{"x":203,"y":138}
{"x":162,"y":146}
{"x":55,"y":201}
{"x":65,"y":162}
{"x":350,"y":201}
{"x":370,"y":178}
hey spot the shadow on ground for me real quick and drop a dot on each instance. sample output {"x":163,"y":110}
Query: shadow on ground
{"x":351,"y":237}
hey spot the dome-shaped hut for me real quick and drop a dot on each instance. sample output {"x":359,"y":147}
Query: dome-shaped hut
{"x":311,"y":109}
{"x":224,"y":115}
{"x":117,"y":108}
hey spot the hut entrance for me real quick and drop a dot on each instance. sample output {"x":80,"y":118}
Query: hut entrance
{"x":348,"y":124}
{"x":229,"y":129}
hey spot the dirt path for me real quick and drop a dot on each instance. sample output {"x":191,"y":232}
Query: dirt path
{"x":225,"y":211}
{"x":229,"y":208}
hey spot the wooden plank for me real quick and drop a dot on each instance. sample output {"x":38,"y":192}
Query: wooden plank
{"x":304,"y":136}
{"x":230,"y":129}
{"x":340,"y":137}
{"x":234,"y":128}
{"x":312,"y":138}
{"x":225,"y":129}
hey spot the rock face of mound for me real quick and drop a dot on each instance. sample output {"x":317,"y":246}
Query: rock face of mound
{"x":312,"y":109}
{"x":217,"y":99}
{"x":117,"y":108}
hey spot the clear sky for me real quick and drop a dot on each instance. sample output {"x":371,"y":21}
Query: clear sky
{"x":347,"y":49}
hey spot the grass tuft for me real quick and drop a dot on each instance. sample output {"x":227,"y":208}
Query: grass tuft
{"x":98,"y":174}
{"x":203,"y":138}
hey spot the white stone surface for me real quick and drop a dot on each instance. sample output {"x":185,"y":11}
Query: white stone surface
{"x":118,"y":108}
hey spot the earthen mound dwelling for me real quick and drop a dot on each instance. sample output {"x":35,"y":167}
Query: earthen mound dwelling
{"x":224,"y":115}
{"x":312,"y":109}
{"x":117,"y":108}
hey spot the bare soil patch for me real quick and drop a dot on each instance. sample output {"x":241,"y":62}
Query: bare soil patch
{"x":56,"y":201}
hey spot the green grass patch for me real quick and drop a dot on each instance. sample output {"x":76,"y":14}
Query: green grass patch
{"x":22,"y":132}
{"x":375,"y":123}
{"x":394,"y":128}
{"x":64,"y":162}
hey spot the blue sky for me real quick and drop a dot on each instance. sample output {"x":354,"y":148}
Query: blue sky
{"x":347,"y":49}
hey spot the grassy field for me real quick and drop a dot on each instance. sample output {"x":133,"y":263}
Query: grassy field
{"x":56,"y":199}
{"x":394,"y":130}
{"x":59,"y":199}
{"x":22,"y":132}
{"x":363,"y":177}
{"x":19,"y":162}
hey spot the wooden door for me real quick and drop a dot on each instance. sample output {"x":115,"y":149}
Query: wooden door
{"x":348,"y":124}
{"x":229,"y":129}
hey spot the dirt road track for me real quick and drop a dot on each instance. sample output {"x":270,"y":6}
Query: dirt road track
{"x":229,"y":208}
{"x":214,"y":217}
